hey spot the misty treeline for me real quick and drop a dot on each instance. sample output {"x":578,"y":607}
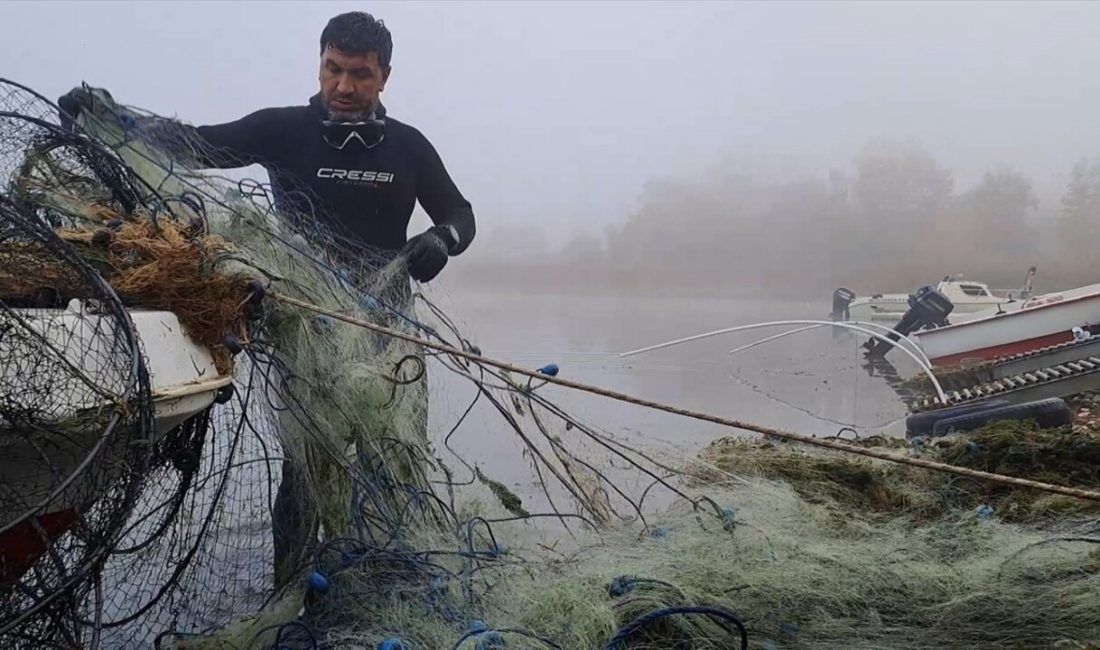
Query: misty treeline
{"x":894,"y":221}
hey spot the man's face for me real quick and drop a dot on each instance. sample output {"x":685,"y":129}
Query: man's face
{"x":351,"y":83}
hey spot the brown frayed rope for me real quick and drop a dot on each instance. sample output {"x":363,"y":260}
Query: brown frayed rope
{"x":168,"y":265}
{"x":827,"y":443}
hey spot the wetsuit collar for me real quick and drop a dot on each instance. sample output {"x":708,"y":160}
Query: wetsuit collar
{"x":318,"y":106}
{"x":367,"y":133}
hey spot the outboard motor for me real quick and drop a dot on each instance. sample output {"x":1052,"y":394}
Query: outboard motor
{"x":841,"y":299}
{"x":927,"y":307}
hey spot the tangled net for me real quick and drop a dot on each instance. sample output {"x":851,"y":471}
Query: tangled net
{"x":75,"y":419}
{"x":315,"y":505}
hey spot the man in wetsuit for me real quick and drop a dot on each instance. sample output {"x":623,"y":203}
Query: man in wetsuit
{"x":359,"y":171}
{"x":342,"y":158}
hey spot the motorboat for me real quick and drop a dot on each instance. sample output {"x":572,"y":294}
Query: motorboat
{"x":1032,"y":324}
{"x":967,"y":296}
{"x":43,"y":472}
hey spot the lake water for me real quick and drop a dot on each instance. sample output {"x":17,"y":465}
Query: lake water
{"x":811,"y":382}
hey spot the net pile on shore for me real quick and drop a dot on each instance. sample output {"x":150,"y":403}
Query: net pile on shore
{"x":1060,"y":456}
{"x":400,"y":540}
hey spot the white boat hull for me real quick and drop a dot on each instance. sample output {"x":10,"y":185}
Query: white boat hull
{"x":39,"y":495}
{"x":967,"y":297}
{"x":1036,"y":323}
{"x":890,"y":311}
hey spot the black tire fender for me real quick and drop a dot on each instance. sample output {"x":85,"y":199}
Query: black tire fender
{"x":921,"y":424}
{"x":1047,"y":413}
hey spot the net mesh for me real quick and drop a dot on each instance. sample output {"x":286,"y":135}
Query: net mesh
{"x":76,"y":420}
{"x":306,"y":499}
{"x":325,"y":440}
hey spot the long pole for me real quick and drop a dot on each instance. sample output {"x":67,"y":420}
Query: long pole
{"x":828,"y":443}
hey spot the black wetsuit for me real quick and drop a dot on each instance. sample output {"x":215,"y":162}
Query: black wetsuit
{"x":365,"y":194}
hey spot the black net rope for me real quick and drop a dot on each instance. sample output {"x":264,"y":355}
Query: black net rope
{"x":76,"y":420}
{"x":176,"y":540}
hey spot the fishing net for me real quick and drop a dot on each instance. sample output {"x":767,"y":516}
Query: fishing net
{"x":75,"y":429}
{"x":315,"y":502}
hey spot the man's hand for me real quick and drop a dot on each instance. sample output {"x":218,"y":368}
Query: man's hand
{"x":75,"y":101}
{"x":426,"y":254}
{"x":82,"y":99}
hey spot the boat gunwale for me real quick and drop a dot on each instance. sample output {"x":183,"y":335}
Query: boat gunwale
{"x":177,"y":391}
{"x":1021,"y":311}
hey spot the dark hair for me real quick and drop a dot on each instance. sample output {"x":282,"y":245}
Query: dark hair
{"x":358,"y":32}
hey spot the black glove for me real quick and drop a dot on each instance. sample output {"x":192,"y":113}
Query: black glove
{"x":426,"y":254}
{"x":75,"y":100}
{"x":81,"y":98}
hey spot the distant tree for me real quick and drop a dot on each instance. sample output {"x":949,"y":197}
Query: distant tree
{"x":997,"y":210}
{"x":1081,"y":202}
{"x":839,"y":189}
{"x":898,"y":196}
{"x":896,"y":182}
{"x":1081,"y":207}
{"x":1003,"y":194}
{"x":585,"y":248}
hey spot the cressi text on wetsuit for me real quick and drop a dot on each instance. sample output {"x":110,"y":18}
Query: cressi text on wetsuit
{"x":366,"y":185}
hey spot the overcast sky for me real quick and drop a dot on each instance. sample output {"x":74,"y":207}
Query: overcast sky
{"x":555,"y":114}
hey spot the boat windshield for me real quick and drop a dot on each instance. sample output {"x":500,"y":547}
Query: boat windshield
{"x":974,"y":290}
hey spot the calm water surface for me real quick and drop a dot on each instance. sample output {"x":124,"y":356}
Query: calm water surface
{"x":811,"y":382}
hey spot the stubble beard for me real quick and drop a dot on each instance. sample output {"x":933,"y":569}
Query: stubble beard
{"x":349,"y":116}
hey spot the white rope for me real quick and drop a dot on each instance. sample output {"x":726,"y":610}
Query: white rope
{"x":916,"y":348}
{"x":749,"y":346}
{"x":742,"y":328}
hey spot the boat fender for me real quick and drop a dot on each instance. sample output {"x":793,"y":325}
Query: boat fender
{"x":392,"y":644}
{"x":919,"y":425}
{"x":1047,"y":414}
